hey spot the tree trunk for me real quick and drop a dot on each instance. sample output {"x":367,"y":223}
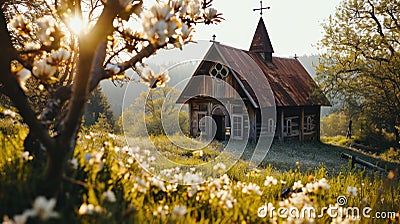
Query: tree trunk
{"x":54,"y":171}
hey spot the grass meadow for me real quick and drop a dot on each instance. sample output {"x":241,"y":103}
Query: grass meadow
{"x":106,"y":182}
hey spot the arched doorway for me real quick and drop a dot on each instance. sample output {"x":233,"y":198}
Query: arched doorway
{"x":219,"y":115}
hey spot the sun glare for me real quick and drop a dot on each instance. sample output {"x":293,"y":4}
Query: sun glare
{"x":76,"y":25}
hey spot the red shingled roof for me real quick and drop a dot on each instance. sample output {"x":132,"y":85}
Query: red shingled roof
{"x":290,"y":82}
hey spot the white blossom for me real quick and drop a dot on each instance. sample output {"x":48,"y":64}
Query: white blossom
{"x":211,"y":13}
{"x":352,"y":191}
{"x":193,"y":9}
{"x":185,"y":32}
{"x":20,"y":219}
{"x":42,"y":69}
{"x":47,"y":27}
{"x":109,"y":196}
{"x":269,"y":181}
{"x":59,"y":56}
{"x":43,"y":209}
{"x":95,"y":159}
{"x":113,"y":68}
{"x":198,"y":153}
{"x":9,"y":113}
{"x":179,"y":211}
{"x":251,"y":187}
{"x":153,"y":80}
{"x":158,"y":183}
{"x":297,"y":185}
{"x":89,"y":209}
{"x":25,"y":155}
{"x":192,"y":179}
{"x":28,"y":46}
{"x":20,"y":24}
{"x":73,"y":163}
{"x":161,"y":211}
{"x":23,"y":75}
{"x":219,"y":166}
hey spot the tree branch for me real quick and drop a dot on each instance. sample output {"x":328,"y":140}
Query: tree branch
{"x":87,"y":69}
{"x":13,"y":89}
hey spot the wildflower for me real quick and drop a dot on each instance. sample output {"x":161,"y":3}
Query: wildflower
{"x":43,"y":209}
{"x":172,"y":187}
{"x":219,"y":166}
{"x":109,"y":196}
{"x":113,"y":68}
{"x":95,"y":159}
{"x":352,"y":191}
{"x":269,"y":181}
{"x":158,"y":183}
{"x":192,"y":179}
{"x":311,"y":178}
{"x":197,"y":153}
{"x":161,"y":211}
{"x":322,"y":184}
{"x":89,"y":209}
{"x":140,"y":185}
{"x":297,"y":185}
{"x":20,"y":219}
{"x":254,"y":172}
{"x":192,"y":191}
{"x":42,"y":69}
{"x":25,"y":155}
{"x":226,"y":200}
{"x":151,"y":159}
{"x":9,"y":113}
{"x":73,"y":163}
{"x":251,"y":187}
{"x":179,"y":211}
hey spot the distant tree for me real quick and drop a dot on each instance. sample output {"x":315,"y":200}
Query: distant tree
{"x":151,"y":111}
{"x":69,"y":47}
{"x":362,"y":61}
{"x":334,"y":124}
{"x":96,"y":105}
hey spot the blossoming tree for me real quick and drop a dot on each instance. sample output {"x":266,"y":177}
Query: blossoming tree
{"x":69,"y":46}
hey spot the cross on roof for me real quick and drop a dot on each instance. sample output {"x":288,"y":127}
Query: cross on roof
{"x":261,"y":8}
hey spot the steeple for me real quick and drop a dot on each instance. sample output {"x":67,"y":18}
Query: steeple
{"x":261,"y":43}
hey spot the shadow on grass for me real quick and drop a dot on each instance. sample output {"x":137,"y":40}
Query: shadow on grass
{"x":290,"y":156}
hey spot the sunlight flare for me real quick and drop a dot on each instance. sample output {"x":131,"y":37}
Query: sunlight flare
{"x":76,"y":25}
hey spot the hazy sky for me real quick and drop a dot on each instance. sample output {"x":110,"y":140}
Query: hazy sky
{"x":294,"y":26}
